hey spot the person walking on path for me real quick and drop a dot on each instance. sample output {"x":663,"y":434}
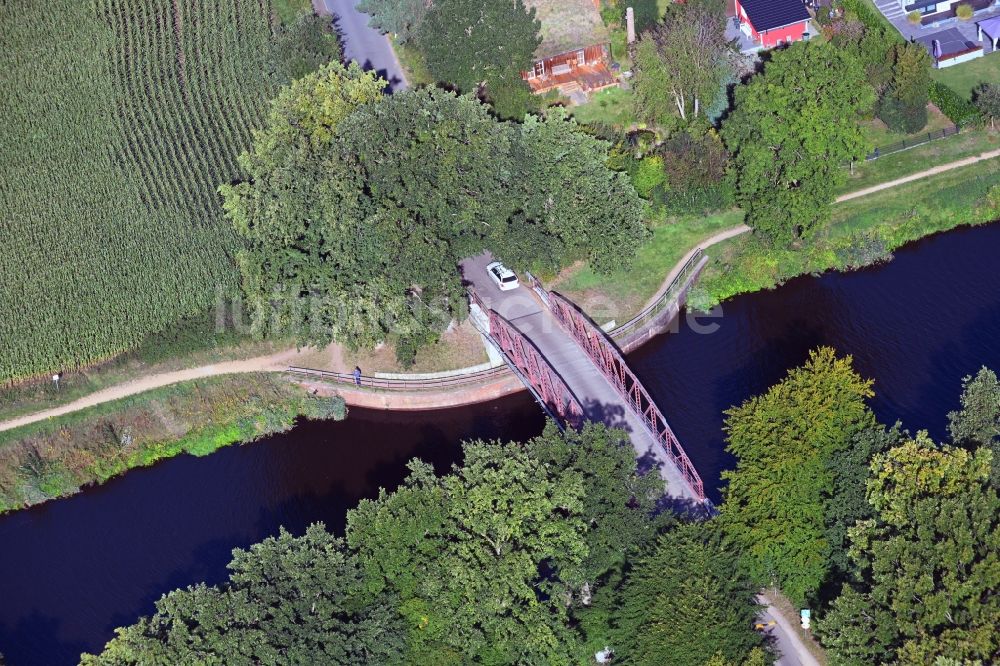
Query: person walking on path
{"x":357,"y":375}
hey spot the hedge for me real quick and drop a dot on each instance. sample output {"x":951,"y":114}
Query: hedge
{"x":960,"y":110}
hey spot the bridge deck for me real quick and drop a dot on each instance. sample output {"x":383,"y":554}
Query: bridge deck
{"x":600,"y":400}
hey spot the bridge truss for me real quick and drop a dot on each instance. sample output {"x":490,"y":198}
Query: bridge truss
{"x":532,"y":367}
{"x":608,"y":359}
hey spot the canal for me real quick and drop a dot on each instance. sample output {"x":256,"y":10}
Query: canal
{"x":73,"y":569}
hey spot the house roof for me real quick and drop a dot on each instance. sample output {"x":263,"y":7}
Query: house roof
{"x":568,"y":25}
{"x":771,"y":14}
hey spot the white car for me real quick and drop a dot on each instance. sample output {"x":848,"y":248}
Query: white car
{"x":503,"y":276}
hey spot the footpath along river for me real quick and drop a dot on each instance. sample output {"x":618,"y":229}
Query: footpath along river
{"x":74,"y":569}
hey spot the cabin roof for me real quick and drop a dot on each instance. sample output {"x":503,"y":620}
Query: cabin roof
{"x":771,"y":14}
{"x":567,"y":25}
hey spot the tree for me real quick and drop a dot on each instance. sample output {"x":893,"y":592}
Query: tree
{"x":357,"y":207}
{"x":682,"y":60}
{"x":401,"y":17}
{"x":469,"y":43}
{"x":776,"y":503}
{"x":793,"y":127}
{"x":464,"y":553}
{"x":978,"y":422}
{"x":928,"y":564}
{"x":288,"y":600}
{"x":619,"y":503}
{"x":988,"y":102}
{"x":903,"y":107}
{"x":847,"y":503}
{"x":685,"y":603}
{"x":573,"y":206}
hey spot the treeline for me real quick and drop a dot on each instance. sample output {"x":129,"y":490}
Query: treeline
{"x":559,"y":550}
{"x":892,"y":538}
{"x":542,"y":553}
{"x":358,"y":207}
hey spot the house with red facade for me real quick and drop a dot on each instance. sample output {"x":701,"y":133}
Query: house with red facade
{"x":575,"y":52}
{"x":769,"y":23}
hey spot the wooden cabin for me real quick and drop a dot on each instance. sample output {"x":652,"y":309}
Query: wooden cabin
{"x":575,"y":53}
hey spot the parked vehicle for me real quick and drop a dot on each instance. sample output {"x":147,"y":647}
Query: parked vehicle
{"x":504,"y":277}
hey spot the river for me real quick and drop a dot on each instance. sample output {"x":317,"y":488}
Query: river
{"x":74,"y":569}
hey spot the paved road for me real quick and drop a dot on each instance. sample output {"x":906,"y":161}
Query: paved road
{"x":600,"y":400}
{"x":786,"y":639}
{"x":365,"y":44}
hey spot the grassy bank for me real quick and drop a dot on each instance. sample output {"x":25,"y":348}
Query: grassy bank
{"x":621,"y":295}
{"x":860,"y":232}
{"x":57,"y":458}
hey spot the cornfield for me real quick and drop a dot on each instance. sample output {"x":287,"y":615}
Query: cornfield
{"x":118,"y":121}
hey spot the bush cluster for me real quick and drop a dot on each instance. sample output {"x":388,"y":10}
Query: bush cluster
{"x":961,"y":111}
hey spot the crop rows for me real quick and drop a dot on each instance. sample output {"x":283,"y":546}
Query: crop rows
{"x":120,"y":118}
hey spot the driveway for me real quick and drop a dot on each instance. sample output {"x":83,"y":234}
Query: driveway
{"x":362,"y":43}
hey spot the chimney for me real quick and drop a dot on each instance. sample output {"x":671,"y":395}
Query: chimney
{"x":630,"y":25}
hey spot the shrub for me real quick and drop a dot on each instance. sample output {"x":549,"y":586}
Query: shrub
{"x":871,"y":17}
{"x":914,"y":17}
{"x":960,"y":110}
{"x":902,"y":117}
{"x":648,"y":175}
{"x":963,"y":12}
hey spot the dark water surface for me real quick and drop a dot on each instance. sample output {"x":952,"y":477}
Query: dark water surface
{"x":915,"y":325}
{"x":72,"y":570}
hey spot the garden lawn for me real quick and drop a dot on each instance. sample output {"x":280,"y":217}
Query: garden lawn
{"x":623,"y":294}
{"x":613,"y":106}
{"x":861,"y":232}
{"x":964,"y":78}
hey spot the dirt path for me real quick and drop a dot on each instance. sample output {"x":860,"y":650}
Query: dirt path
{"x":273,"y":362}
{"x":920,"y":174}
{"x":281,"y":360}
{"x":725,"y":234}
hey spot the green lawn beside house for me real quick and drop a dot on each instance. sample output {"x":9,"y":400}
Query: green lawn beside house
{"x":964,"y":78}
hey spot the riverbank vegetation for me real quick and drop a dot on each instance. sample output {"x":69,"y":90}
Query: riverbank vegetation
{"x":56,"y":458}
{"x":122,"y":119}
{"x":860,"y":232}
{"x":557,"y":549}
{"x":546,"y":552}
{"x":892,"y":539}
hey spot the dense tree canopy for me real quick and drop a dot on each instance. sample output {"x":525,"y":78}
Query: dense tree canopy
{"x":467,"y":43}
{"x":928,"y":563}
{"x":792,"y":129}
{"x":685,"y":603}
{"x":358,"y":207}
{"x":303,"y":47}
{"x":288,"y":600}
{"x":463,"y":552}
{"x":776,"y":505}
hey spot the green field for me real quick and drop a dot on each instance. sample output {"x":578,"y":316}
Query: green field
{"x":120,"y":119}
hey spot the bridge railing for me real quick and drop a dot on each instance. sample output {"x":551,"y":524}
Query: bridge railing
{"x":608,"y":359}
{"x":400,"y":384}
{"x":664,"y":307}
{"x":531,"y":367}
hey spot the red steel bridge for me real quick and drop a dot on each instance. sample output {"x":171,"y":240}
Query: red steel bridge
{"x":576,"y":372}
